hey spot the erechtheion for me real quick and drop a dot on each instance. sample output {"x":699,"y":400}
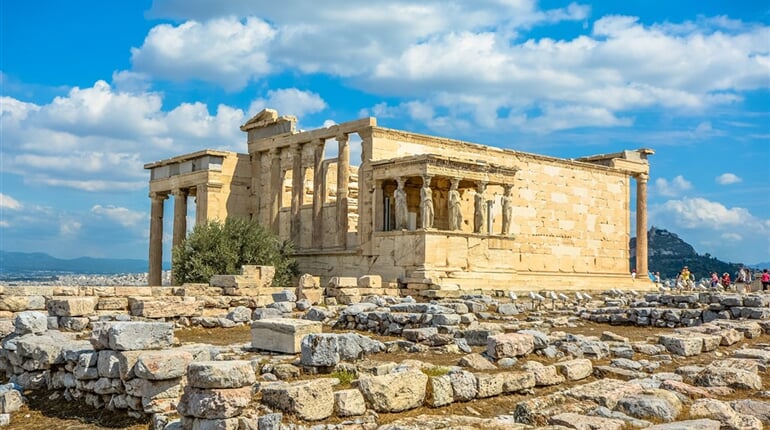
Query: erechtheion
{"x":428,"y":213}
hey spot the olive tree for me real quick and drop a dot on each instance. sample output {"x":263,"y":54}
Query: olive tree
{"x":221,"y":248}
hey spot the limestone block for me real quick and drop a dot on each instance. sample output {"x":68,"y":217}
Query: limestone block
{"x":308,"y":281}
{"x":489,"y":384}
{"x":11,"y":399}
{"x":575,"y":370}
{"x":653,"y":404}
{"x":215,"y":424}
{"x":314,"y":296}
{"x":464,"y":386}
{"x":370,"y":281}
{"x":605,"y":392}
{"x":310,"y":400}
{"x":150,"y":390}
{"x":728,"y":377}
{"x":71,"y":306}
{"x":285,"y":296}
{"x":349,"y":403}
{"x":28,"y":290}
{"x":30,"y":322}
{"x":683,"y":345}
{"x":21,"y":303}
{"x":517,"y":381}
{"x":439,"y":391}
{"x":73,"y":323}
{"x":282,"y":335}
{"x":41,"y":350}
{"x":167,"y":307}
{"x":112,"y":303}
{"x":224,"y":281}
{"x":134,"y":335}
{"x":264,"y":274}
{"x":156,"y":365}
{"x":578,"y":421}
{"x":108,"y":364}
{"x":220,"y":374}
{"x":343,"y":282}
{"x":510,"y":345}
{"x":394,"y":392}
{"x":7,"y":327}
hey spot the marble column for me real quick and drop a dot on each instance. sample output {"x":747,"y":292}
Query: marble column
{"x":154,"y":275}
{"x":256,"y":185}
{"x":366,"y":195}
{"x":641,"y":225}
{"x":318,"y":188}
{"x":480,"y":209}
{"x":297,"y":191}
{"x":454,"y":201}
{"x":426,"y":203}
{"x":201,"y":204}
{"x":180,"y":216}
{"x":276,"y":187}
{"x":343,"y":179}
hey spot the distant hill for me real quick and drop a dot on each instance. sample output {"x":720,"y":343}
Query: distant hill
{"x":667,"y":254}
{"x":12,"y":263}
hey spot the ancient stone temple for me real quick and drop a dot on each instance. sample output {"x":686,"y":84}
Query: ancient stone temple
{"x":425,"y":212}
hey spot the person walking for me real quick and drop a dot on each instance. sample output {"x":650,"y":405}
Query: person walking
{"x":765,"y":279}
{"x":725,"y":281}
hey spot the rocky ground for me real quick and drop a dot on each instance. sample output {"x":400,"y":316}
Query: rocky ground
{"x":488,"y":362}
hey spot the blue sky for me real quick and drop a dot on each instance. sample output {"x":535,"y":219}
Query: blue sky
{"x":93,"y":90}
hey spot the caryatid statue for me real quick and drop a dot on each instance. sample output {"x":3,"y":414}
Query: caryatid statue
{"x":426,"y":203}
{"x":507,"y":201}
{"x":402,"y":215}
{"x":480,"y":213}
{"x":455,"y":212}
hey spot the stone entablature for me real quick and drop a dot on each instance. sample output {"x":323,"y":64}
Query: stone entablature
{"x":563,"y":219}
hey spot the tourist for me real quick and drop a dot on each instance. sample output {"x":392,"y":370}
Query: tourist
{"x":714,"y":280}
{"x":657,"y":277}
{"x":765,"y":279}
{"x":633,"y":273}
{"x":740,"y":279}
{"x":684,"y":279}
{"x":725,"y":281}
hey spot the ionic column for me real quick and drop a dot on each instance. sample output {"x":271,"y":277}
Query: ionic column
{"x":343,"y":178}
{"x":297,"y":189}
{"x":256,"y":184}
{"x":180,"y":216}
{"x":318,"y":188}
{"x":154,"y":275}
{"x":641,"y":224}
{"x":480,"y":209}
{"x":275,"y":189}
{"x":366,"y":195}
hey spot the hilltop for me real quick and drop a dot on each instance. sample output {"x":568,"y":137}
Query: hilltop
{"x":668,"y":253}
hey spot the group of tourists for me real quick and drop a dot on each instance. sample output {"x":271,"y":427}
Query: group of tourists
{"x":685,"y":280}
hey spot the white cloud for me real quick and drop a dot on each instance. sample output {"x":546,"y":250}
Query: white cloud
{"x":69,"y":227}
{"x":675,"y":187}
{"x":731,"y":236}
{"x":469,"y":61}
{"x":8,"y":202}
{"x":121,"y":215}
{"x":4,"y":224}
{"x":227,"y":51}
{"x":698,"y":212}
{"x":728,"y":178}
{"x":98,"y":138}
{"x":289,"y":101}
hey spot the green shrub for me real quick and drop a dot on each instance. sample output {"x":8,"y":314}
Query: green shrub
{"x":345,"y":376}
{"x":221,"y":248}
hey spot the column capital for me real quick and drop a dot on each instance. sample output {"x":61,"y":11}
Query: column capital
{"x":426,"y":179}
{"x":342,"y":137}
{"x":642,"y":177}
{"x":154,"y":195}
{"x":481,"y":186}
{"x":180,"y":192}
{"x":365,"y":133}
{"x":274,"y":151}
{"x":297,"y":146}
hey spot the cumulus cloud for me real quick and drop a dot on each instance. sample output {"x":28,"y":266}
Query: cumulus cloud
{"x":120,"y":215}
{"x":699,"y":212}
{"x":469,"y":61}
{"x":728,"y":178}
{"x":8,"y":202}
{"x":98,"y":138}
{"x":672,"y":188}
{"x":290,"y":101}
{"x":69,"y":227}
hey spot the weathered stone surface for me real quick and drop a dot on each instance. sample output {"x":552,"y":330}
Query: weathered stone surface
{"x":328,"y":349}
{"x":605,"y":392}
{"x":220,"y":374}
{"x":577,"y":421}
{"x":683,"y":345}
{"x":167,"y":364}
{"x":575,"y":370}
{"x":476,"y":361}
{"x":544,"y":375}
{"x":489,"y":384}
{"x":12,"y":303}
{"x":728,"y":377}
{"x":756,"y":408}
{"x":653,"y":404}
{"x":722,"y":412}
{"x":464,"y":386}
{"x":310,"y":400}
{"x":510,"y":345}
{"x":214,"y":403}
{"x":71,"y":306}
{"x":133,"y":335}
{"x":239,"y":314}
{"x":151,"y":390}
{"x":703,"y":424}
{"x":517,"y":381}
{"x":349,"y":403}
{"x":30,"y":322}
{"x":11,"y":399}
{"x":439,"y":391}
{"x":394,"y":392}
{"x":282,"y":335}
